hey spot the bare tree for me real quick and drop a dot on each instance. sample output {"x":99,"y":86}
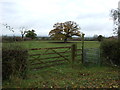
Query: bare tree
{"x":9,"y":27}
{"x":23,"y":31}
{"x":115,"y":13}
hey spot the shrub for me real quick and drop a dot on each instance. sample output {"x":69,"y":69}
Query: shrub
{"x":11,"y":38}
{"x":7,"y":39}
{"x":14,"y":61}
{"x":27,"y":39}
{"x":111,"y":51}
{"x":18,"y":39}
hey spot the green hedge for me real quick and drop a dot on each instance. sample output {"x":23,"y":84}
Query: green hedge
{"x":111,"y":51}
{"x":14,"y":61}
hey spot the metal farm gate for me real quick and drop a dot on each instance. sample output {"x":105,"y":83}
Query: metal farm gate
{"x":91,"y":56}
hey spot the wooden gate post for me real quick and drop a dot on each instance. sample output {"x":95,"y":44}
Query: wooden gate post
{"x":83,"y":48}
{"x":73,"y":53}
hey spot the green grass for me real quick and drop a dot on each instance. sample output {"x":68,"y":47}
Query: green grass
{"x":45,"y":44}
{"x":66,"y":76}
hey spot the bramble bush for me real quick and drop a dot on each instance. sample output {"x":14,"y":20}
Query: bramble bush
{"x":110,"y":51}
{"x":14,"y":61}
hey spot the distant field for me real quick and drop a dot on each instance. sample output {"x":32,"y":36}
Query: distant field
{"x":65,"y":76}
{"x":44,"y":44}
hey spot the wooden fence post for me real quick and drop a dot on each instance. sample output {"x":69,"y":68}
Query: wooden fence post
{"x":73,"y":53}
{"x":83,"y":48}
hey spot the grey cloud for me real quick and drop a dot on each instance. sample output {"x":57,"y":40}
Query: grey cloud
{"x":79,"y":11}
{"x":8,"y":7}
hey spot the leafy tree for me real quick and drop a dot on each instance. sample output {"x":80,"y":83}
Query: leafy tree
{"x":115,"y":13}
{"x":100,"y":38}
{"x":31,"y":34}
{"x":65,"y":30}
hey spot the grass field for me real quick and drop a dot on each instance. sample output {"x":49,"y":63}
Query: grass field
{"x":45,"y":44}
{"x":65,"y":76}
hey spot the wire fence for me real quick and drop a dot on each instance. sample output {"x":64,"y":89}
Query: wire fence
{"x":92,"y":56}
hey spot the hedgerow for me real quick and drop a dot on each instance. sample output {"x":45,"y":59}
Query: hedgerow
{"x":111,"y":51}
{"x":14,"y":61}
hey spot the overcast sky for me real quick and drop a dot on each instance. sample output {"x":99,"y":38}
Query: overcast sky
{"x":93,"y":16}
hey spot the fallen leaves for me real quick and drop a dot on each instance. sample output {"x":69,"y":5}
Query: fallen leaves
{"x":70,"y":78}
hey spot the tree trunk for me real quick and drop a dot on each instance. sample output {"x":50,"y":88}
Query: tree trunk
{"x":22,"y":36}
{"x":65,"y":40}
